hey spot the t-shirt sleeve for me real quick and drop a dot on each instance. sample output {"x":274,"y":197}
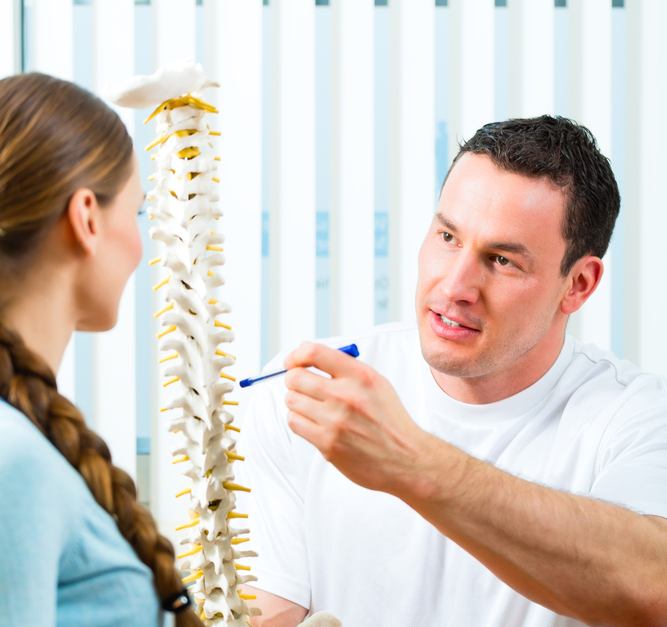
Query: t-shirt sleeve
{"x":633,"y":463}
{"x":276,"y":505}
{"x":32,"y":533}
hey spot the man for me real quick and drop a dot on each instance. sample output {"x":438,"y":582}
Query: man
{"x":482,"y":468}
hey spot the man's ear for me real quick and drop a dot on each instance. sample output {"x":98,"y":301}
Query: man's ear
{"x":82,"y":216}
{"x":582,"y":281}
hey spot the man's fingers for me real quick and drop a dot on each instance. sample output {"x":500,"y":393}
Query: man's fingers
{"x":322,"y":357}
{"x":306,"y":382}
{"x":308,"y":407}
{"x":307,"y":429}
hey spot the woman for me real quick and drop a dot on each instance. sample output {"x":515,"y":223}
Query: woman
{"x":76,"y":547}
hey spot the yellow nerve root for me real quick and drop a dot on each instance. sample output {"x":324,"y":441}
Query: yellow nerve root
{"x":155,"y":142}
{"x":167,"y":358}
{"x":170,"y":306}
{"x":236,"y":515}
{"x":221,"y":354}
{"x":230,"y":402}
{"x":164,"y":281}
{"x":170,"y":381}
{"x":170,"y":329}
{"x":192,"y":523}
{"x":231,"y":455}
{"x":180,"y":458}
{"x":152,"y":262}
{"x":241,"y":567}
{"x":182,"y":492}
{"x":226,"y":376}
{"x":174,"y":103}
{"x":196,"y":575}
{"x":234,"y":486}
{"x":224,"y":326}
{"x":239,"y":540}
{"x":188,"y":153}
{"x":247,"y":597}
{"x":198,"y":547}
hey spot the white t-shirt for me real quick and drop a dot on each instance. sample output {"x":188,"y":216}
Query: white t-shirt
{"x":592,"y":425}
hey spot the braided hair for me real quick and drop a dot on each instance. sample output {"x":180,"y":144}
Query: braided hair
{"x":56,"y":138}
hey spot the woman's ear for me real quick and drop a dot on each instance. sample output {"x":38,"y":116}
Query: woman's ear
{"x":82,"y":215}
{"x":584,"y":278}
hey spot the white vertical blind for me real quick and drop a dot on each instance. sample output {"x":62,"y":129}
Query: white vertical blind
{"x":589,"y":95}
{"x":113,"y":52}
{"x":646,"y":219}
{"x":174,"y":39}
{"x":531,"y":57}
{"x":114,"y":365}
{"x":174,"y":24}
{"x":9,"y":40}
{"x":471,"y":85}
{"x":234,"y":60}
{"x":53,"y":38}
{"x":292,"y":241}
{"x":412,"y":152}
{"x":352,"y":160}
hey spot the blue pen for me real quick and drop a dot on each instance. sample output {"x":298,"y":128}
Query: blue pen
{"x":350,"y":350}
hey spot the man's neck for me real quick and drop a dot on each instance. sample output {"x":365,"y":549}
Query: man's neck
{"x":496,"y":386}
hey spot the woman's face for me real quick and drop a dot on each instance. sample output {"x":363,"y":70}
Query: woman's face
{"x":118,"y":254}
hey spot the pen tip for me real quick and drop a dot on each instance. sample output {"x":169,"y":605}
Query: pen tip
{"x":245,"y":383}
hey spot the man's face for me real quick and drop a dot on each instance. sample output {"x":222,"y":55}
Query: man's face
{"x":490,"y":262}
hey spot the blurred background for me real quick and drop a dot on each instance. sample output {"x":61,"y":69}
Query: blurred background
{"x":338,"y":121}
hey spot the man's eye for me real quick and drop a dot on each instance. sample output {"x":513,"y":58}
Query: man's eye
{"x":447,"y":237}
{"x":503,"y":261}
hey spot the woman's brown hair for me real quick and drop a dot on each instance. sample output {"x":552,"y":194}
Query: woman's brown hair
{"x":56,"y":138}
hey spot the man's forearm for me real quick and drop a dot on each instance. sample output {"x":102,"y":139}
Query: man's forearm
{"x":276,"y":611}
{"x":580,"y":557}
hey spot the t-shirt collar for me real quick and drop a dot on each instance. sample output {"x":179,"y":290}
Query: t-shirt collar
{"x":506,"y":409}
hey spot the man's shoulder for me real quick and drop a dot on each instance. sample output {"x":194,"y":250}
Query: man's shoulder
{"x":381,"y":342}
{"x":594,"y":370}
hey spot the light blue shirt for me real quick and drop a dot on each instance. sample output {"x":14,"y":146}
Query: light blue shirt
{"x":62,"y":559}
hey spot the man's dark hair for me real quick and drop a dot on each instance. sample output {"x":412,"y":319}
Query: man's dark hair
{"x":567,"y":154}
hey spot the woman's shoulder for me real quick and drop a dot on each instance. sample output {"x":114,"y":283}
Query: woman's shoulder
{"x":27,"y":458}
{"x":53,"y":528}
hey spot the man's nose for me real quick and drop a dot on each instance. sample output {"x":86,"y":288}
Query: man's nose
{"x":462,"y":281}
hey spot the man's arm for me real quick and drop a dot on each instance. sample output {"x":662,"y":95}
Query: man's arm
{"x":276,"y":611}
{"x":588,"y":559}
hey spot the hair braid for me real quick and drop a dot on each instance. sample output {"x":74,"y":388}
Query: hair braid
{"x":29,"y":385}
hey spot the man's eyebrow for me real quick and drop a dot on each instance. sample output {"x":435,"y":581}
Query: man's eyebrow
{"x":508,"y":247}
{"x":445,"y":222}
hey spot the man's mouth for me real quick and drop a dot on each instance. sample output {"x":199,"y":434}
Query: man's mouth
{"x":451,"y":329}
{"x":450,"y":323}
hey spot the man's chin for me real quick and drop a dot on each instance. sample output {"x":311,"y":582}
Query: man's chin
{"x":448,"y":364}
{"x":450,"y":367}
{"x":442,"y":356}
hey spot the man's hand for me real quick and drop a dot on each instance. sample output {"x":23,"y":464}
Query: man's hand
{"x":354,"y":418}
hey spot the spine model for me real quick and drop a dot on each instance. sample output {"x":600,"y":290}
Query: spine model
{"x":193,"y":360}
